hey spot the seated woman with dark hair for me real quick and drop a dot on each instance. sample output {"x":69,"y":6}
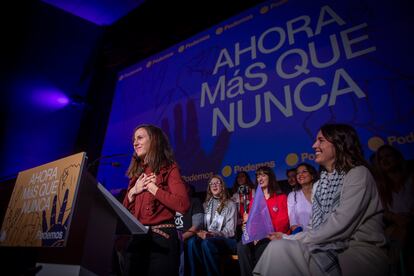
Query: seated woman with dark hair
{"x":396,"y":183}
{"x":276,"y":202}
{"x":300,"y":200}
{"x":346,"y":235}
{"x":396,"y":186}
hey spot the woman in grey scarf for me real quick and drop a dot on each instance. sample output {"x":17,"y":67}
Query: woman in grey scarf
{"x":217,"y":238}
{"x":346,"y":231}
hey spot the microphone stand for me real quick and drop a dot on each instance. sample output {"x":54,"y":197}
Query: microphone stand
{"x":244,"y":190}
{"x":93,"y":164}
{"x":245,"y":203}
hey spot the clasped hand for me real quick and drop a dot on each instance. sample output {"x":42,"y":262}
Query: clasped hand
{"x":144,"y":183}
{"x":204,"y":234}
{"x":275,"y":236}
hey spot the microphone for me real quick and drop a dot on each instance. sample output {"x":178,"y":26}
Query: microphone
{"x":244,"y":191}
{"x":116,"y":164}
{"x":113,"y":164}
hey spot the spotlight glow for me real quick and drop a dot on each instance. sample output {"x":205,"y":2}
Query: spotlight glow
{"x":50,"y":98}
{"x":63,"y":100}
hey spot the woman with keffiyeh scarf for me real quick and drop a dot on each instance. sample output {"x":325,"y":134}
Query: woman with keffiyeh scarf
{"x":346,"y":231}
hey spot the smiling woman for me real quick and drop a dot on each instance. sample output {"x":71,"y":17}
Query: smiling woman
{"x":324,"y":152}
{"x":346,"y":235}
{"x":220,"y":218}
{"x":141,"y":142}
{"x":274,"y":201}
{"x":300,"y":199}
{"x":155,"y":192}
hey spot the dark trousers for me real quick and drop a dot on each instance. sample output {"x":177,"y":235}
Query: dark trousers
{"x":205,"y":254}
{"x":153,"y":254}
{"x":249,"y":254}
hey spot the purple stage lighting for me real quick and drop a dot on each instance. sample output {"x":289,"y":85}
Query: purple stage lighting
{"x":102,"y":13}
{"x":63,"y":100}
{"x":50,"y":98}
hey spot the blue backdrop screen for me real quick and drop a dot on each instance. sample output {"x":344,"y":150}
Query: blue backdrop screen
{"x":255,"y":89}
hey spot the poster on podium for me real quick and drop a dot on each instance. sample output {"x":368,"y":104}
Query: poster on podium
{"x":42,"y":203}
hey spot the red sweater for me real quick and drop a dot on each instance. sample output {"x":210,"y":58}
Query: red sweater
{"x":277,"y":206}
{"x":171,"y":197}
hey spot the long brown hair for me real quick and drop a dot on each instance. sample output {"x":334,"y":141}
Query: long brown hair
{"x":236,"y":184}
{"x":160,"y":153}
{"x":385,"y":183}
{"x":224,"y":196}
{"x":348,"y":149}
{"x":273,"y":187}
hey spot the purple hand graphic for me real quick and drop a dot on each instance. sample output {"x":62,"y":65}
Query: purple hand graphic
{"x":53,"y":235}
{"x":189,"y":154}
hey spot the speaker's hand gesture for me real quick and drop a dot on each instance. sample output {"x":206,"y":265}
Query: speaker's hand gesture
{"x":138,"y":187}
{"x":150,"y":183}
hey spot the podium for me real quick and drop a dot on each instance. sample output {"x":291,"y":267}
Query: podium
{"x":91,"y":238}
{"x":88,"y":245}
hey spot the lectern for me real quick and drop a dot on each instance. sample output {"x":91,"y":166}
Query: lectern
{"x":68,"y":216}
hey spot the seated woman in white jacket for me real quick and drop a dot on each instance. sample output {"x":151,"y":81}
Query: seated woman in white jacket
{"x":346,"y":235}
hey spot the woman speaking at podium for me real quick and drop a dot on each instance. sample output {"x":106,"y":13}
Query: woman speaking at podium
{"x":155,"y":192}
